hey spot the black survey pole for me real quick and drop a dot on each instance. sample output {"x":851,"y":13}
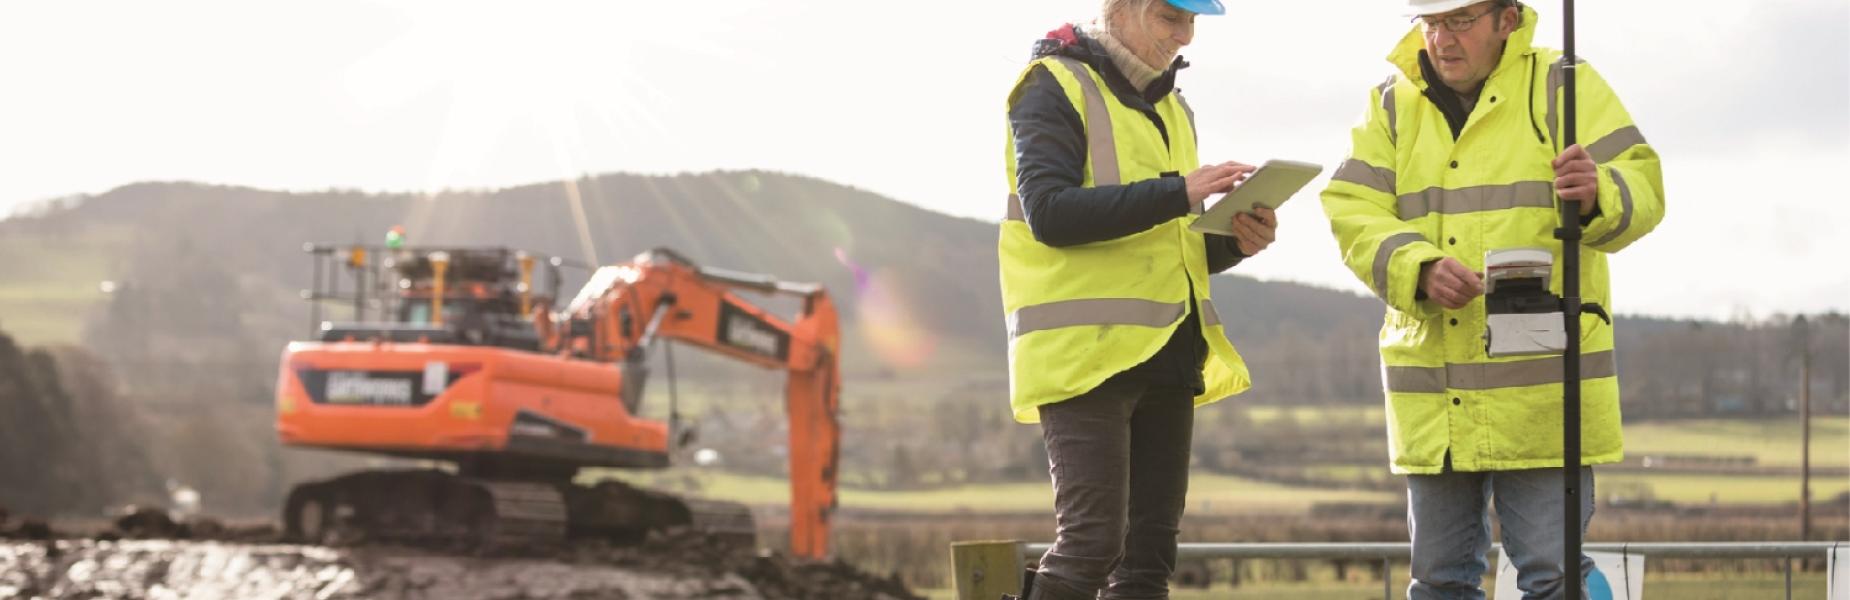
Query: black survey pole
{"x":1569,"y":234}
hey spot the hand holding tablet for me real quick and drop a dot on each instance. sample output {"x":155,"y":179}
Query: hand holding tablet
{"x":1274,"y":183}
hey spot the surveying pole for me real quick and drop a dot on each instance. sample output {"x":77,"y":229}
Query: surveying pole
{"x":1569,"y":234}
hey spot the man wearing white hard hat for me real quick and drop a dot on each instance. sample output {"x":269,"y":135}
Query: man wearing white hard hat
{"x":1457,"y":159}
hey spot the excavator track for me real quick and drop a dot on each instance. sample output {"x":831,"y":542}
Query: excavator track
{"x":436,"y":508}
{"x":425,"y":507}
{"x":524,"y":513}
{"x":716,"y":517}
{"x":621,"y":512}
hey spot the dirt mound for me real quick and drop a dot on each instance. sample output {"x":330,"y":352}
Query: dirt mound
{"x":683,"y":564}
{"x":774,"y":576}
{"x":156,"y":524}
{"x":158,"y":568}
{"x":68,"y":444}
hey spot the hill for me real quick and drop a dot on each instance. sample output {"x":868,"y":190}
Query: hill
{"x":203,"y":286}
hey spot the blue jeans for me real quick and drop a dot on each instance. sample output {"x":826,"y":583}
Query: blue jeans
{"x":1448,"y":517}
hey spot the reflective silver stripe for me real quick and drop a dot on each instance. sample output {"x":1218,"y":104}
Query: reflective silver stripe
{"x":1093,"y":311}
{"x":1099,"y":142}
{"x":1416,"y":380}
{"x":1554,"y":89}
{"x":1625,"y":214}
{"x":1387,"y":104}
{"x":1609,"y":147}
{"x":1385,"y":253}
{"x":1193,"y":132}
{"x":1532,"y":194}
{"x":1359,"y":172}
{"x":1490,"y":376}
{"x":1193,"y":208}
{"x":1209,"y":316}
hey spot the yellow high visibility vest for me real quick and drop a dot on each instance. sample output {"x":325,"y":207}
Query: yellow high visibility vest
{"x":1409,"y":193}
{"x":1078,"y":315}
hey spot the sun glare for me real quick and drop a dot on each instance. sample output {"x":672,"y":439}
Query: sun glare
{"x":569,"y":69}
{"x":577,"y":75}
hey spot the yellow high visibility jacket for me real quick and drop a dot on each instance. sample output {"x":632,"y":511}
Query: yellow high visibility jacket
{"x":1409,"y":194}
{"x":1078,"y":315}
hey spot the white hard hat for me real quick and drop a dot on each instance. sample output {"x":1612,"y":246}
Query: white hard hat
{"x":1421,"y":8}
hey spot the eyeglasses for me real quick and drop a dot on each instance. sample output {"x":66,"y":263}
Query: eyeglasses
{"x":1454,"y":23}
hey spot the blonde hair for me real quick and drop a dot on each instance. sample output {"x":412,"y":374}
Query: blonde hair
{"x":1115,"y":8}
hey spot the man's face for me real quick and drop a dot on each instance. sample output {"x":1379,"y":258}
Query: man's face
{"x":1157,"y":33}
{"x":1464,"y":58}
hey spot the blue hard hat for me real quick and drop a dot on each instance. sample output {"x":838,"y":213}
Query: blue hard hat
{"x":1200,"y":7}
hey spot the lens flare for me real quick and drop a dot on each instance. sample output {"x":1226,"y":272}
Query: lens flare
{"x":887,"y":320}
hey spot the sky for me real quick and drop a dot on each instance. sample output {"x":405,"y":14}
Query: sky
{"x":1748,"y":103}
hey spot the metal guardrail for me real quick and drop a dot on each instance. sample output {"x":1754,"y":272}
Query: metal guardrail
{"x":1387,"y":553}
{"x":1399,"y":551}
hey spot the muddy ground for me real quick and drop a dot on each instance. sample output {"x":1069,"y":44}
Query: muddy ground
{"x":245,"y":563}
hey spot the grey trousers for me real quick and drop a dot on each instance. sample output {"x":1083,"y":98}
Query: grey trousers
{"x":1119,"y":459}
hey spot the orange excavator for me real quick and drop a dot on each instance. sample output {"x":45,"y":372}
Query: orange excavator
{"x":471,"y":365}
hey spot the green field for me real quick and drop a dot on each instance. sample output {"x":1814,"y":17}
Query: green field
{"x":1208,"y":494}
{"x":1369,"y":415}
{"x":1722,"y":489}
{"x":48,"y":284}
{"x":1767,"y":439}
{"x":1771,"y":442}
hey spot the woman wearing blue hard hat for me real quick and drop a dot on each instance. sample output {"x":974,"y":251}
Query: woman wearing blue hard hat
{"x":1113,"y":340}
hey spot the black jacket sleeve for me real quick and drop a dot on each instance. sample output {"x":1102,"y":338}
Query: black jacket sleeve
{"x":1050,"y":161}
{"x":1223,"y":252}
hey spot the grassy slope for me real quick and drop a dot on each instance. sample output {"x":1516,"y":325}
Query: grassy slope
{"x":1207,"y":494}
{"x":1700,"y":489}
{"x":45,"y":297}
{"x":1768,"y":440}
{"x":1772,"y":442}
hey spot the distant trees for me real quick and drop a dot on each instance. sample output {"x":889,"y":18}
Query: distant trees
{"x":193,"y":343}
{"x":1697,"y":368}
{"x":180,"y":324}
{"x":67,"y":444}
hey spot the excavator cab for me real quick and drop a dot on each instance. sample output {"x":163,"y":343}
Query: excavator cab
{"x":445,"y":295}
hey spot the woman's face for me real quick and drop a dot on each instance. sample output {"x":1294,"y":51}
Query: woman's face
{"x":1156,"y":33}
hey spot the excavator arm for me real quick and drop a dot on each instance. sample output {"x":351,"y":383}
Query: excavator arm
{"x":661,"y":295}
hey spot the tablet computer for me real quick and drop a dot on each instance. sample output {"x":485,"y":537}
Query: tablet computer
{"x":1270,"y":187}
